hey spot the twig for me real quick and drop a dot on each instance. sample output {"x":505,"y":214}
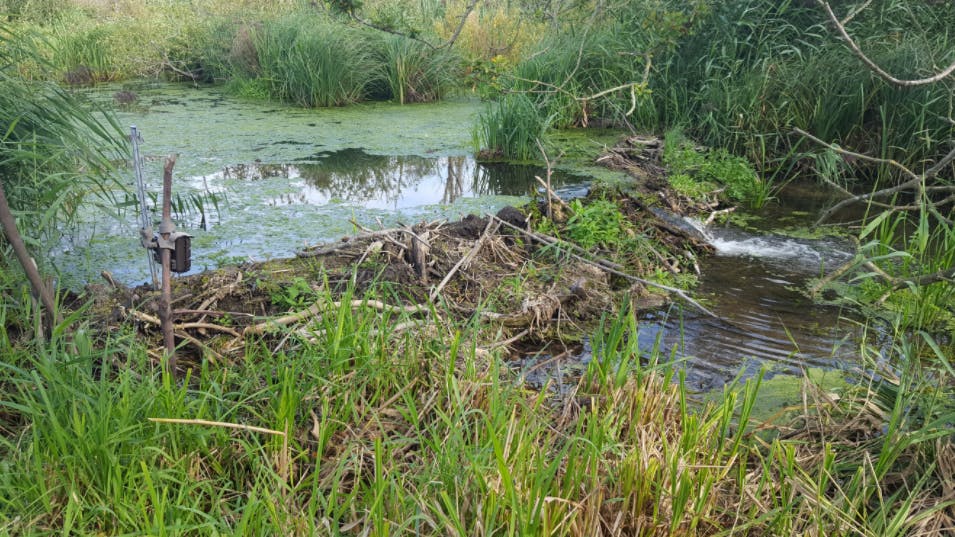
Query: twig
{"x":318,"y":307}
{"x":212,"y":313}
{"x":324,"y":249}
{"x":860,"y":156}
{"x":915,"y":182}
{"x":153,"y":320}
{"x":223,"y":424}
{"x":209,"y":326}
{"x":466,"y":259}
{"x":202,"y":346}
{"x":834,"y":275}
{"x":604,"y":266}
{"x":714,"y":214}
{"x":882,"y":73}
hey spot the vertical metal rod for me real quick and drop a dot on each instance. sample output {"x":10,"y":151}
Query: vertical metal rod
{"x":145,"y":226}
{"x":166,"y":228}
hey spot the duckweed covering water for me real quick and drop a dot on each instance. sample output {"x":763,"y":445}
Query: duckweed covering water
{"x":258,"y":180}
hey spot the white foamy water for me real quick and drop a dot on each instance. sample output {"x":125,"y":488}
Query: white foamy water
{"x":798,"y":253}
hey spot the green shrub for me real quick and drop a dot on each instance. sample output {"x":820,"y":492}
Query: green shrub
{"x":696,"y":173}
{"x":599,"y":223}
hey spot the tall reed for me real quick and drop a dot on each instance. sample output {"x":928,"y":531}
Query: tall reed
{"x":510,"y":128}
{"x":414,"y":72}
{"x":312,"y":62}
{"x":55,"y":147}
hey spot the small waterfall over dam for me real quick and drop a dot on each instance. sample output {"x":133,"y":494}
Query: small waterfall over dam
{"x":753,"y":284}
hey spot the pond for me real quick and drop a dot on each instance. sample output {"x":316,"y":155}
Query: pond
{"x":258,"y":181}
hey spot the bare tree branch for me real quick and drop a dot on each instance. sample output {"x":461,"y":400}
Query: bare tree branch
{"x":464,"y":19}
{"x":883,"y":74}
{"x":940,"y":165}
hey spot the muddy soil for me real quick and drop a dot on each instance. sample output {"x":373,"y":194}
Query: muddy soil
{"x":526,"y":289}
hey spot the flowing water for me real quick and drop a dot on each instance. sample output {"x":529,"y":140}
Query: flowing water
{"x":255,"y":181}
{"x":753,"y":285}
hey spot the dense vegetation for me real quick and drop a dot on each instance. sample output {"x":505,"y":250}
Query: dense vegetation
{"x":378,"y":432}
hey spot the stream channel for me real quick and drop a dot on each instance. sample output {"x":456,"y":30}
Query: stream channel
{"x":255,"y":181}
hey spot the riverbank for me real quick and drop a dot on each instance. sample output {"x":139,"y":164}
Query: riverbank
{"x":348,"y":390}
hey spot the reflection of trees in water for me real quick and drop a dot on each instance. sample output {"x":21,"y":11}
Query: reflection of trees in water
{"x":497,"y":178}
{"x":355,"y":176}
{"x":256,"y":171}
{"x":454,"y":180}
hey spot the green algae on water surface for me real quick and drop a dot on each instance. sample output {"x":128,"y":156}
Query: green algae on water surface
{"x":268,"y":179}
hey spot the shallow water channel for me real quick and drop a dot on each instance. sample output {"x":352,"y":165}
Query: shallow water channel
{"x":752,"y":284}
{"x":255,"y":181}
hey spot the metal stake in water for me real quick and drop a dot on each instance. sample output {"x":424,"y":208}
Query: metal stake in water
{"x":146,"y":228}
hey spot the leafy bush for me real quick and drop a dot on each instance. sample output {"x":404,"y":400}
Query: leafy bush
{"x":699,"y":172}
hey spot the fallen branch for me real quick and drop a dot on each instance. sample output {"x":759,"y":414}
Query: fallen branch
{"x":318,"y":307}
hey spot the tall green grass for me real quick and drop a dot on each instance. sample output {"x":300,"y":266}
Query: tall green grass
{"x":415,"y":73}
{"x":510,"y":128}
{"x":312,"y":62}
{"x":751,"y":70}
{"x":55,"y":148}
{"x":571,"y":66}
{"x":414,"y":431}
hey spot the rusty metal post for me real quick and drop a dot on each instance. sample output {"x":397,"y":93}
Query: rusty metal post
{"x":166,"y":228}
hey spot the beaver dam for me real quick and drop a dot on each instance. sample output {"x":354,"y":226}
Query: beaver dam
{"x":535,"y":280}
